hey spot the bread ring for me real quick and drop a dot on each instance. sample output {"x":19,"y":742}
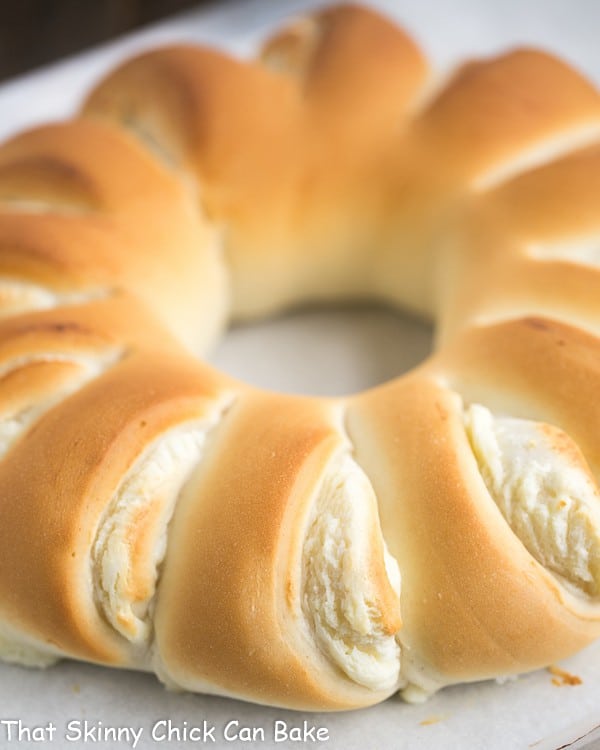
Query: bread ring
{"x":303,"y":552}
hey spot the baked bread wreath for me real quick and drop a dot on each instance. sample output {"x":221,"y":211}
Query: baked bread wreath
{"x":303,"y":552}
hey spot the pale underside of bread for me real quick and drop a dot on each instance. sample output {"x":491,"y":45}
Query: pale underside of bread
{"x":207,"y":530}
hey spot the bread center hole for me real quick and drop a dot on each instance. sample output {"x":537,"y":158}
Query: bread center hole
{"x":324,"y":352}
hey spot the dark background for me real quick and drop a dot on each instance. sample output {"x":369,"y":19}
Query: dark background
{"x":35,"y":32}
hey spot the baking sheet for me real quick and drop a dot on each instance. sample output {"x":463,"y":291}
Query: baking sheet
{"x":325,"y":352}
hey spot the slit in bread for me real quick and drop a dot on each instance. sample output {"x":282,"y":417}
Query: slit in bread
{"x":584,"y":252}
{"x":18,"y":297}
{"x":545,"y":152}
{"x":26,"y":400}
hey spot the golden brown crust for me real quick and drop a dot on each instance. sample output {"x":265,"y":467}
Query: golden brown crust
{"x":491,"y":111}
{"x":318,"y":50}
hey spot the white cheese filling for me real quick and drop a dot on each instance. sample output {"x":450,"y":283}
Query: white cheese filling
{"x":131,"y":540}
{"x":337,"y":602}
{"x":545,"y":491}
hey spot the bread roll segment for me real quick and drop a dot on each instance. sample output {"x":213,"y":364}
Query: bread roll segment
{"x":475,"y":603}
{"x":244,"y":624}
{"x":62,"y":472}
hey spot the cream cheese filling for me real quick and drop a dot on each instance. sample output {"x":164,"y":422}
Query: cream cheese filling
{"x":337,"y":599}
{"x":545,"y":491}
{"x":131,"y":539}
